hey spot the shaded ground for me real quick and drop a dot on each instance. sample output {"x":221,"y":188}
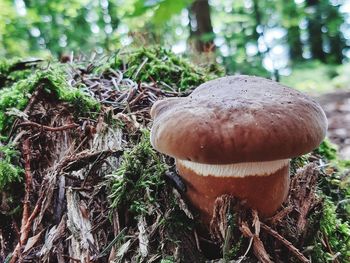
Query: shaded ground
{"x":337,"y":108}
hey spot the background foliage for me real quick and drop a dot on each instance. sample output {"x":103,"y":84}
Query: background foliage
{"x":268,"y":38}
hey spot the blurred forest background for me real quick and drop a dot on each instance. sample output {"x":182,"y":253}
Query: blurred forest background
{"x":303,"y":43}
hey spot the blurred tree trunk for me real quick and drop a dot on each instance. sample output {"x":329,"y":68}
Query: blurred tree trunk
{"x":256,"y":34}
{"x":201,"y":26}
{"x":257,"y":15}
{"x":315,"y":30}
{"x":291,"y":22}
{"x":336,"y":49}
{"x":294,"y":42}
{"x":336,"y":40}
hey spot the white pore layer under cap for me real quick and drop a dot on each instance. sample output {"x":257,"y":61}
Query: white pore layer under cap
{"x":236,"y":169}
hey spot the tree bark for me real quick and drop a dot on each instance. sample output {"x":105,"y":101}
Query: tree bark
{"x":295,"y":46}
{"x":336,"y":40}
{"x":336,"y":48}
{"x":201,"y":26}
{"x":314,"y":29}
{"x":290,"y":14}
{"x":257,"y":15}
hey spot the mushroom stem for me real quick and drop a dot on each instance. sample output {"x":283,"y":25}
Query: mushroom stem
{"x":264,"y":190}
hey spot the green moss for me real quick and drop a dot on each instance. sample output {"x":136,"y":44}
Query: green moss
{"x":9,"y":172}
{"x":104,"y":66}
{"x":7,"y":64}
{"x":10,"y":73}
{"x":53,"y":79}
{"x":327,"y":150}
{"x":299,"y":162}
{"x":138,"y":179}
{"x":157,"y":64}
{"x":333,"y":239}
{"x":336,"y":187}
{"x":15,"y":76}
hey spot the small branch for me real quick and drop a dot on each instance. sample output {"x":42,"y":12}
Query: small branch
{"x":30,"y":104}
{"x":303,"y":189}
{"x":246,"y":252}
{"x":280,"y":215}
{"x":285,"y":242}
{"x":80,"y":160}
{"x":27,"y":219}
{"x":258,"y":246}
{"x":140,"y":67}
{"x":25,"y":229}
{"x":328,"y":246}
{"x":28,"y":183}
{"x":48,"y":128}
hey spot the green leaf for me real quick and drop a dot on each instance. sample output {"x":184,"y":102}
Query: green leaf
{"x":168,"y":8}
{"x":141,"y":7}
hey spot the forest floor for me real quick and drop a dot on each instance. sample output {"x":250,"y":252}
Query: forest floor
{"x":337,"y":107}
{"x":81,"y":182}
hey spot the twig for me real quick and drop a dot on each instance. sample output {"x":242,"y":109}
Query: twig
{"x":281,"y":214}
{"x":25,"y":233}
{"x":2,"y":245}
{"x":246,"y":252}
{"x":258,"y":246}
{"x":28,"y":183}
{"x":140,"y":67}
{"x":154,"y":82}
{"x":80,"y":160}
{"x":112,"y":243}
{"x":48,"y":128}
{"x":33,"y":99}
{"x":327,"y":245}
{"x":26,"y":219}
{"x":197,"y":241}
{"x":285,"y":242}
{"x":303,"y":194}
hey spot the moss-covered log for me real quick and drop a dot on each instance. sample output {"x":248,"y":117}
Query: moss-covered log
{"x":79,"y":180}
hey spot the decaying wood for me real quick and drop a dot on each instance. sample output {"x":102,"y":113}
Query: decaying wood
{"x":301,"y":201}
{"x":280,"y":215}
{"x":289,"y":245}
{"x":66,"y":216}
{"x":78,"y":222}
{"x":28,"y":182}
{"x":25,"y":224}
{"x":258,"y":245}
{"x":25,"y":229}
{"x":219,"y":225}
{"x":47,"y":128}
{"x":303,"y":194}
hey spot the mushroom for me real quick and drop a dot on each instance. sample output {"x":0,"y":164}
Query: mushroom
{"x":235,"y":135}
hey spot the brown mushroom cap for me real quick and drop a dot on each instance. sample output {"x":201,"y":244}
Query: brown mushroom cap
{"x":238,"y":119}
